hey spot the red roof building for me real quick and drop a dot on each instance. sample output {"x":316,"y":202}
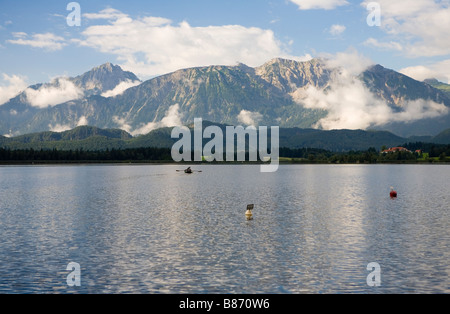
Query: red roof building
{"x":395,"y":149}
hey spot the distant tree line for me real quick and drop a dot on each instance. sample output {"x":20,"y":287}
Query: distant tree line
{"x":434,"y":150}
{"x":423,"y":152}
{"x":369,"y":156}
{"x":134,"y":154}
{"x":428,"y":152}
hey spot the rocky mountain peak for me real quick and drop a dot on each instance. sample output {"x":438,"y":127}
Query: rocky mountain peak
{"x":290,"y":75}
{"x":107,"y":66}
{"x":103,"y":78}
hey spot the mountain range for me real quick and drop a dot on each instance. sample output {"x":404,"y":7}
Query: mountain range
{"x":286,"y":93}
{"x":95,"y":139}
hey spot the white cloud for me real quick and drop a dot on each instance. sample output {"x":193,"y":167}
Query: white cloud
{"x":351,"y":105}
{"x":59,"y":128}
{"x":319,"y":4}
{"x":82,"y":121}
{"x":66,"y":127}
{"x":121,"y":88}
{"x":59,"y":91}
{"x":172,"y":118}
{"x":106,"y":14}
{"x":439,"y":70}
{"x":307,"y":57}
{"x":146,"y":128}
{"x":19,"y":34}
{"x":46,"y":41}
{"x":391,"y":45}
{"x":337,"y":29}
{"x":351,"y":60}
{"x":249,"y":118}
{"x":150,"y":46}
{"x":11,"y":134}
{"x":420,"y":109}
{"x":420,"y":26}
{"x":15,"y":85}
{"x":419,"y":72}
{"x":122,"y":124}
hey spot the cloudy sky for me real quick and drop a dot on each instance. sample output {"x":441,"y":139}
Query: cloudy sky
{"x":151,"y":38}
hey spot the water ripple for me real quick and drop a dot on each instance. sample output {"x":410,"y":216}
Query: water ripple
{"x":149,"y":229}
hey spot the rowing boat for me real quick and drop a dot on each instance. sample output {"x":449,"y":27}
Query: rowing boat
{"x":189,"y":171}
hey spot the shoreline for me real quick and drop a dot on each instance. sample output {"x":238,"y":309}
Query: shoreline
{"x":167,"y":162}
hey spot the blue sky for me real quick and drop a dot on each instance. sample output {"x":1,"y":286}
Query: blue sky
{"x":155,"y":37}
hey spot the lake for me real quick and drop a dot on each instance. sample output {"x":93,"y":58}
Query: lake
{"x":151,"y":229}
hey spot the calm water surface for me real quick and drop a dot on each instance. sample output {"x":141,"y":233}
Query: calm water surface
{"x":150,"y":229}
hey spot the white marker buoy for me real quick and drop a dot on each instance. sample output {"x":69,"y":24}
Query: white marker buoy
{"x":248,"y":213}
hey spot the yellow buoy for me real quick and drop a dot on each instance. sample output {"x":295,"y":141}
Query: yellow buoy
{"x":248,"y":213}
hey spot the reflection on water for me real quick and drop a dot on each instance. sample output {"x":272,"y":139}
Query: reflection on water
{"x":150,"y":229}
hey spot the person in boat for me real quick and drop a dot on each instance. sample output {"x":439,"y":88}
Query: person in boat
{"x":188,"y":170}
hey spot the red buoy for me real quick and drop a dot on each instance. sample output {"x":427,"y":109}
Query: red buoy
{"x":393,"y":193}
